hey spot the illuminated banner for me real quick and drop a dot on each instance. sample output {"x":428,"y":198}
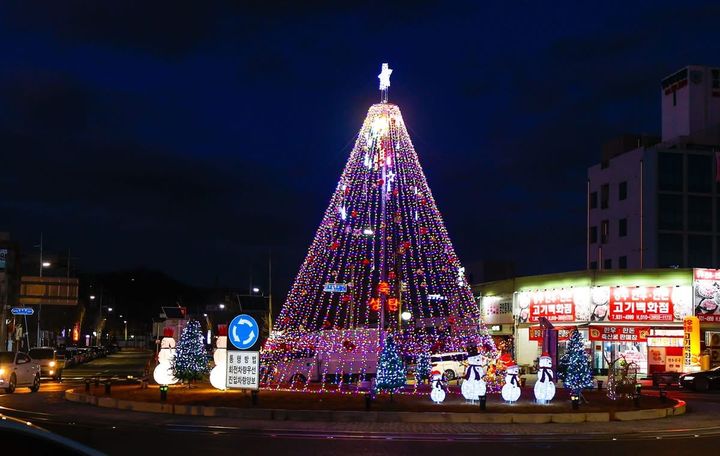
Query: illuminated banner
{"x":555,"y":305}
{"x":706,"y":294}
{"x":641,"y":304}
{"x":618,"y":333}
{"x":691,"y":344}
{"x":536,"y":333}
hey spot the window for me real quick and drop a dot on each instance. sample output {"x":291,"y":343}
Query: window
{"x":593,"y":265}
{"x":604,"y":196}
{"x":700,"y":173}
{"x":622,"y":262}
{"x":699,"y":213}
{"x":670,"y":212}
{"x":622,"y":227}
{"x":593,"y":200}
{"x":670,"y":175}
{"x":622,"y":191}
{"x":699,"y":251}
{"x":670,"y":250}
{"x":607,"y":263}
{"x":604,"y":231}
{"x":593,"y":234}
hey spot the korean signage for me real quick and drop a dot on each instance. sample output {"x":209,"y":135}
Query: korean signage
{"x":618,"y":333}
{"x":691,"y":344}
{"x":496,"y":309}
{"x":335,"y":287}
{"x":243,"y":369}
{"x":555,"y":305}
{"x":641,"y":304}
{"x":706,"y":294}
{"x":536,"y":332}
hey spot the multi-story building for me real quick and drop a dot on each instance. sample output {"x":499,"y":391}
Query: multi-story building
{"x":655,"y":202}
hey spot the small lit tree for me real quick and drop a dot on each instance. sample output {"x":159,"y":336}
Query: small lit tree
{"x":423,"y":367}
{"x":390,"y":371}
{"x":574,"y":366}
{"x":190,"y":362}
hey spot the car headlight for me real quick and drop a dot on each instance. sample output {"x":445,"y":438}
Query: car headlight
{"x":52,"y":363}
{"x":688,"y":377}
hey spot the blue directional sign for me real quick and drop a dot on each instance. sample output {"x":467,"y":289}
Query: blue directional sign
{"x":22,"y":311}
{"x":243,"y":331}
{"x":335,"y":287}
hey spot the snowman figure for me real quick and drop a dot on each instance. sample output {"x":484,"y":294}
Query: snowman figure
{"x":219,"y":372}
{"x":473,"y":385}
{"x":545,"y":385}
{"x":437,"y":393}
{"x":163,"y":373}
{"x":511,"y":389}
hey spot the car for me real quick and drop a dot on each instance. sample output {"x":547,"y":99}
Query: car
{"x":701,"y":381}
{"x":18,"y":369}
{"x":23,"y":437}
{"x":450,"y":364}
{"x":51,"y":364}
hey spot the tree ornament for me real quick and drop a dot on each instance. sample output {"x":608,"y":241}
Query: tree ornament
{"x":365,"y":261}
{"x":334,"y":245}
{"x":423,"y":230}
{"x":348,"y":345}
{"x":346,"y":298}
{"x":391,"y":275}
{"x":354,"y":213}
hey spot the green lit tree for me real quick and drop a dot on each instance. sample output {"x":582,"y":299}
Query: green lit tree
{"x":190,"y":362}
{"x":390,"y":371}
{"x":423,"y":367}
{"x":574,"y":366}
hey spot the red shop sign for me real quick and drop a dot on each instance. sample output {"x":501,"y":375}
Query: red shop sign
{"x":619,"y":333}
{"x":641,"y":304}
{"x":536,"y":333}
{"x":555,"y":305}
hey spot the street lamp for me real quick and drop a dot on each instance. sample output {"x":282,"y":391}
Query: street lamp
{"x":222,"y":306}
{"x":92,"y":297}
{"x":125,"y":321}
{"x":256,"y":290}
{"x":46,"y":264}
{"x":406,"y":316}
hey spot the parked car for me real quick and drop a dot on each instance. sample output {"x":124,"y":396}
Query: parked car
{"x":68,"y":356}
{"x":50,"y":364}
{"x":701,"y":381}
{"x":18,"y":369}
{"x":451,"y":364}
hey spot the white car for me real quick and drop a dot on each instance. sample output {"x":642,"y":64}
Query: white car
{"x":18,"y":369}
{"x":450,"y":364}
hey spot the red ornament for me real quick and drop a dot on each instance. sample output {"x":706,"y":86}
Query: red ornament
{"x":347,"y":190}
{"x":451,"y":320}
{"x":365,"y":261}
{"x":396,"y":192}
{"x":406,"y":244}
{"x":348,"y":345}
{"x":423,"y":230}
{"x":346,"y":298}
{"x":380,"y":182}
{"x":391,"y":275}
{"x":326,"y":324}
{"x":334,"y":245}
{"x":354,"y":213}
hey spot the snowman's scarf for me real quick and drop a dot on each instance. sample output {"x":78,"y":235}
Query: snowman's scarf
{"x":438,"y":384}
{"x":546,"y":372}
{"x":474,"y":369}
{"x":514,"y":379}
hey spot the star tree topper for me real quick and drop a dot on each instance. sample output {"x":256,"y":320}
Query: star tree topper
{"x":384,"y":77}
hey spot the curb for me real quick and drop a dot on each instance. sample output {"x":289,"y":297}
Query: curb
{"x":374,"y":416}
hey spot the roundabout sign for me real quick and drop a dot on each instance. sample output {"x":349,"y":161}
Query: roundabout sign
{"x":243,"y":332}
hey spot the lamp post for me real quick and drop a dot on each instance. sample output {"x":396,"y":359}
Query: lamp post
{"x":125,"y":321}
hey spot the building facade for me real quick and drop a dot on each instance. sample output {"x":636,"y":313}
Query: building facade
{"x":654,"y":202}
{"x":637,"y":315}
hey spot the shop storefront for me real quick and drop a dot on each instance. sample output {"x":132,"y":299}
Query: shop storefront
{"x":497,"y":316}
{"x":642,"y":324}
{"x":706,"y":302}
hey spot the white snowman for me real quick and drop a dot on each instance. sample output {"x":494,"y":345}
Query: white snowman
{"x":219,"y":372}
{"x":437,"y":393}
{"x":163,"y":373}
{"x":473,"y":385}
{"x":511,"y":389}
{"x":545,"y":385}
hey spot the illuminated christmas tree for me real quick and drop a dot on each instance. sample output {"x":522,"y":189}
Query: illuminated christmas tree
{"x":423,"y":367}
{"x":390,"y":370}
{"x":574,"y":366}
{"x":381,"y":260}
{"x":190,"y":362}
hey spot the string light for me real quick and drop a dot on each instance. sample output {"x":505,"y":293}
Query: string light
{"x":190,"y":362}
{"x":375,"y":233}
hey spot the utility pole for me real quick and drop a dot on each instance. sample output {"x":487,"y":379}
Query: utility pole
{"x":270,"y":308}
{"x":40,"y":304}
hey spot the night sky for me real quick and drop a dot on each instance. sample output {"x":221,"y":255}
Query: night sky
{"x":191,"y":137}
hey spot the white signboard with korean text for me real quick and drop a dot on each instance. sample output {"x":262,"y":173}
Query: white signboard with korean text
{"x":243,"y":369}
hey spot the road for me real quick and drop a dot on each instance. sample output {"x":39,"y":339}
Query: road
{"x":121,"y":432}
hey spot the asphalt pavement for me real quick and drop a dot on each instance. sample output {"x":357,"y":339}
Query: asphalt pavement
{"x":122,"y":432}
